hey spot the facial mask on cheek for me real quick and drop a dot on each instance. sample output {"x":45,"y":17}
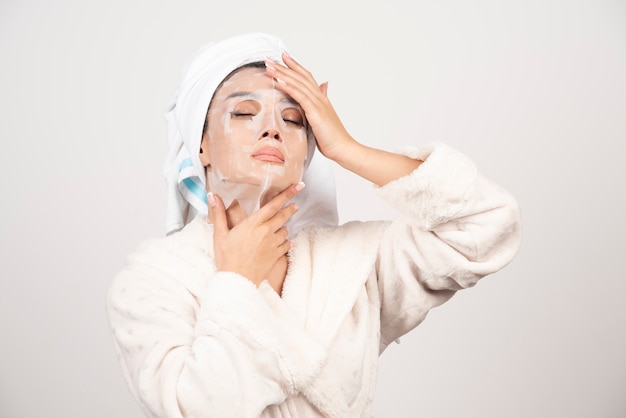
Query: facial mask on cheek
{"x":263,"y":182}
{"x":248,"y":195}
{"x":248,"y":165}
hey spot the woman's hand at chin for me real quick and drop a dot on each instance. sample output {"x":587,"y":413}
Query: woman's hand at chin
{"x":254,"y":246}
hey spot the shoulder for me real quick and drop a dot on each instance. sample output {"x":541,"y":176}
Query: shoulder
{"x":182,"y":258}
{"x":191,"y":241}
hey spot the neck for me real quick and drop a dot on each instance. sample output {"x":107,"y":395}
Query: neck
{"x":251,"y":197}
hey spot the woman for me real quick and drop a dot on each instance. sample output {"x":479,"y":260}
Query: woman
{"x":254,"y":306}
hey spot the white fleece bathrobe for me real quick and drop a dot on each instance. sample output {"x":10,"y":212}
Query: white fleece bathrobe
{"x":194,"y":342}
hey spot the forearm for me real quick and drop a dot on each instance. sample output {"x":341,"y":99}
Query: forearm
{"x":471,"y":225}
{"x":378,"y":166}
{"x":456,"y":226}
{"x":334,"y":142}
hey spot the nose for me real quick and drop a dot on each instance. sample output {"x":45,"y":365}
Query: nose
{"x":273,"y":134}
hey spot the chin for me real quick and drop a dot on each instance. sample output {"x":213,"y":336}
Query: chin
{"x":272,"y":178}
{"x":273,"y":183}
{"x":281,"y":183}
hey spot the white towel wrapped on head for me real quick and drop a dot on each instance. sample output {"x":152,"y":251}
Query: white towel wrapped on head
{"x":185,"y":116}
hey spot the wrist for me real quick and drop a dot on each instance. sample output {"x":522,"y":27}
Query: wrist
{"x":352,"y":156}
{"x":248,"y":274}
{"x":347,"y":153}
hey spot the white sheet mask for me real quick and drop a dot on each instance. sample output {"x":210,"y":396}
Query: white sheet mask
{"x":257,"y":140}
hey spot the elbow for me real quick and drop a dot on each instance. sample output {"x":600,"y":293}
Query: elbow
{"x":499,"y":239}
{"x":509,"y":238}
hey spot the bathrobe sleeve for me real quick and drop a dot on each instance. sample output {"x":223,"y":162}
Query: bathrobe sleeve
{"x":455,"y":227}
{"x":226,"y":349}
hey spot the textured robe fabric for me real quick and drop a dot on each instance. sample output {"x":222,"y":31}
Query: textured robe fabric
{"x":194,"y":342}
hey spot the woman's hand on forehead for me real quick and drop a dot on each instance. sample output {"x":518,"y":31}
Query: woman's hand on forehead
{"x":296,"y":81}
{"x":378,"y":166}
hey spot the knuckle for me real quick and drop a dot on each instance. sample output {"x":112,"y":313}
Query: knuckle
{"x":265,"y":229}
{"x":285,"y":215}
{"x":289,"y":193}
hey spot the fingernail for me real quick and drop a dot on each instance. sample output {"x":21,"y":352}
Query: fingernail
{"x":280,"y":81}
{"x":299,"y":186}
{"x":269,"y":63}
{"x":211,"y":199}
{"x":296,"y":207}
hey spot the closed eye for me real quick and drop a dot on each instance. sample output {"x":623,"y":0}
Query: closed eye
{"x":293,"y":116}
{"x":245,"y":109}
{"x":241,"y":114}
{"x":294,"y":122}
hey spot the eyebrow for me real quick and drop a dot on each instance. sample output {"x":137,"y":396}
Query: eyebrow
{"x":242,"y":94}
{"x":290,"y":101}
{"x":253,"y":95}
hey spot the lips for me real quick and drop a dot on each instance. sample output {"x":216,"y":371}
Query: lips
{"x":269,"y":154}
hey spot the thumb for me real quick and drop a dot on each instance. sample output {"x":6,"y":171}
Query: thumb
{"x":324,"y":88}
{"x":218,"y":215}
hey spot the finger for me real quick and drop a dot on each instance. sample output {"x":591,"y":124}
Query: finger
{"x":324,"y":88}
{"x":211,"y":203}
{"x":281,"y":236}
{"x":218,"y":215}
{"x":281,"y":217}
{"x":284,"y":248}
{"x":296,"y":66}
{"x":291,"y":66}
{"x":299,"y":69}
{"x":289,"y":78}
{"x":278,"y":202}
{"x":235,"y":214}
{"x":307,"y":94}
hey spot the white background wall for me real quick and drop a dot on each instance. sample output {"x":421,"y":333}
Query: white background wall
{"x":534,"y":91}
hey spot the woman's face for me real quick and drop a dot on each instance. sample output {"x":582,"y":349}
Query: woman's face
{"x":255,"y":133}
